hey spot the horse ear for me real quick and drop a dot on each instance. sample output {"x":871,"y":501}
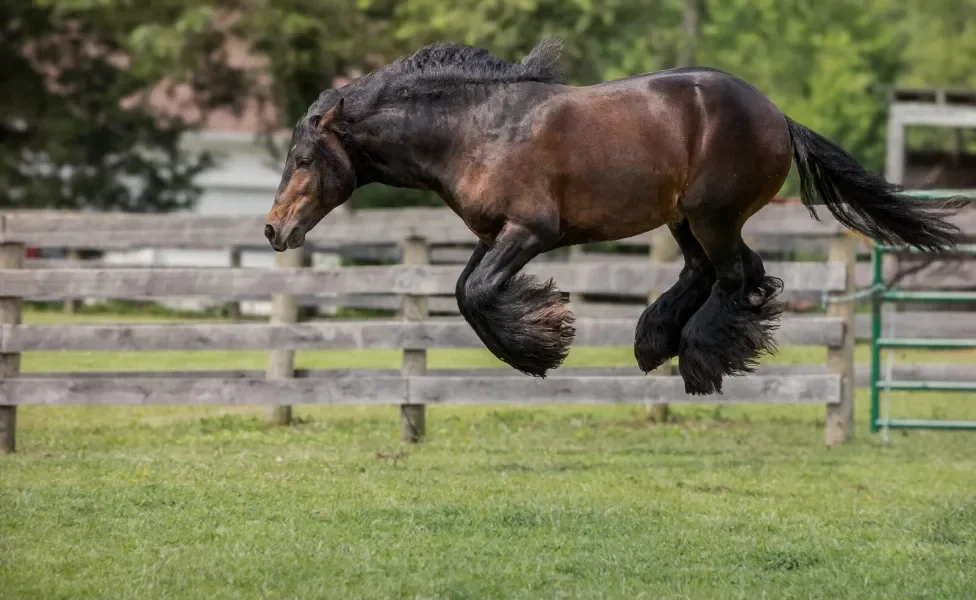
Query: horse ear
{"x":332,"y":115}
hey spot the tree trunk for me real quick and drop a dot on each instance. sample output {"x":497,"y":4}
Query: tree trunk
{"x":691,"y":19}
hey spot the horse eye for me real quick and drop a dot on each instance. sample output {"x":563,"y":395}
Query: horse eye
{"x":303,"y":161}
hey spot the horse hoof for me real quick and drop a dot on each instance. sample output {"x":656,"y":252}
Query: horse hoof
{"x":654,"y":344}
{"x":526,"y":324}
{"x":701,"y":373}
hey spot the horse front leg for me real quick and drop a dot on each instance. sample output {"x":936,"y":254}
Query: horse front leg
{"x":524,"y":322}
{"x":459,"y":289}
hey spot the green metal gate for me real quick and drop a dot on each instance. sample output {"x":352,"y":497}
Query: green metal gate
{"x":879,"y":343}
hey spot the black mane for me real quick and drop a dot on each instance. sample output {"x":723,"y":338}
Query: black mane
{"x":441,"y":66}
{"x":472,"y":64}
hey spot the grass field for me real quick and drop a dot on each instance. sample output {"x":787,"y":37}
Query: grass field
{"x":512,"y":502}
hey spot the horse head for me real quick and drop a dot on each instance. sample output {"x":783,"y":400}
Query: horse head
{"x":318,"y":177}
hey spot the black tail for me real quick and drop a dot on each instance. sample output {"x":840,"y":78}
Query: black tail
{"x":866,"y":202}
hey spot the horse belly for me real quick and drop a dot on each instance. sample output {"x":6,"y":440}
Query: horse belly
{"x":617,"y":185}
{"x":616,"y":208}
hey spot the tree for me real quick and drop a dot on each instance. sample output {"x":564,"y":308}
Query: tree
{"x":295,"y":49}
{"x":81,"y":129}
{"x":77,"y":132}
{"x":826,"y":64}
{"x":939,"y":51}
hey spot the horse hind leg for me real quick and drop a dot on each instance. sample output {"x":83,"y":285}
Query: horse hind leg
{"x":736,"y":324}
{"x":658,"y":334}
{"x":761,"y":289}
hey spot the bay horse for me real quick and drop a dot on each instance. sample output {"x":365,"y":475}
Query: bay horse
{"x":531,"y":164}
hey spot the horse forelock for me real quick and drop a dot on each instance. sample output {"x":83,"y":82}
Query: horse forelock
{"x":304,"y":132}
{"x":322,"y":104}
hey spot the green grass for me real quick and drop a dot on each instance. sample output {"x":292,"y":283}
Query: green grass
{"x":498,"y":502}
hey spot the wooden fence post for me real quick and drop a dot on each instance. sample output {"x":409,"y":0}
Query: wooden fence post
{"x":839,"y":423}
{"x":576,"y":255}
{"x":71,"y":305}
{"x":11,"y":257}
{"x":307,"y":312}
{"x":664,"y":249}
{"x":284,"y":309}
{"x":413,"y":417}
{"x":234,"y":306}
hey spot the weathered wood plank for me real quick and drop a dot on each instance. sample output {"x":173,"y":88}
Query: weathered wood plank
{"x":284,"y":311}
{"x":839,"y":418}
{"x":389,"y":226}
{"x":821,"y":389}
{"x":234,"y":308}
{"x":617,"y":279}
{"x":944,"y":274}
{"x":64,"y":263}
{"x":413,"y":417}
{"x":227,"y":283}
{"x":194,"y":392}
{"x":921,"y":324}
{"x":130,"y":230}
{"x":631,"y":306}
{"x":941,"y":275}
{"x":366,"y":334}
{"x":412,"y":390}
{"x":922,"y":371}
{"x":608,"y":310}
{"x":11,"y":257}
{"x":459,"y":255}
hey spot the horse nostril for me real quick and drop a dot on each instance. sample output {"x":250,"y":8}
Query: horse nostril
{"x":269,"y":233}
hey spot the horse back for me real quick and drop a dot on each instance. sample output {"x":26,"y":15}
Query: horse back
{"x":630,"y":148}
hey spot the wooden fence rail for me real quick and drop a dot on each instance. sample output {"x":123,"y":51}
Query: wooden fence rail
{"x":409,"y":390}
{"x":416,"y":289}
{"x":54,"y":229}
{"x":339,"y":334}
{"x":148,"y":283}
{"x":953,"y":372}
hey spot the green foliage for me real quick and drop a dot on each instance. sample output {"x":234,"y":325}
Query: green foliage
{"x":74,"y":132}
{"x":940,"y":46}
{"x":827,"y":64}
{"x":604,"y":40}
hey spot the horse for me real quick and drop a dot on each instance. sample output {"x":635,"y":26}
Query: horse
{"x":530,"y":164}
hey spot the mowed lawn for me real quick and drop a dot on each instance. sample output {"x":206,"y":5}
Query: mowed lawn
{"x":498,"y":502}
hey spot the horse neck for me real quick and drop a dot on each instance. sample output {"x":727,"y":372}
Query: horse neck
{"x":422,"y":148}
{"x":406,"y":154}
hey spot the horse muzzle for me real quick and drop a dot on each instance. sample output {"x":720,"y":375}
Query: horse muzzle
{"x":282,"y":238}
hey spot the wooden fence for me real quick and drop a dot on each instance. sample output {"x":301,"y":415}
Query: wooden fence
{"x":414,"y":331}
